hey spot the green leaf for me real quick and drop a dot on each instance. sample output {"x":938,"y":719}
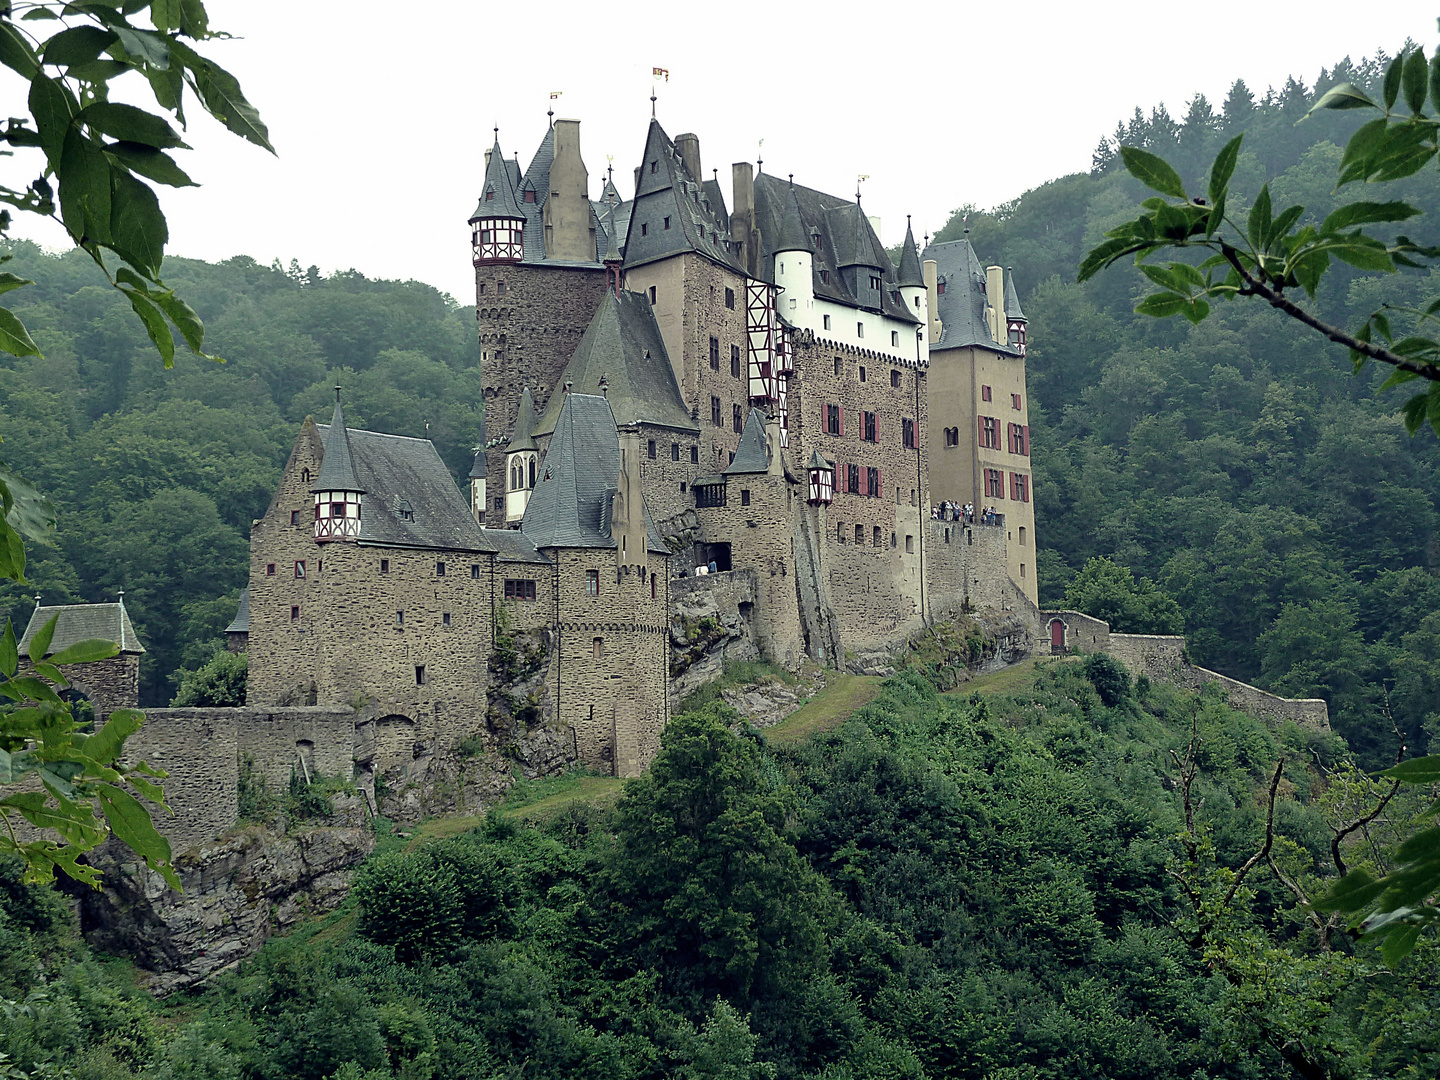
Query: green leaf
{"x":1258,"y":226}
{"x":85,"y":189}
{"x":32,"y":688}
{"x":86,"y":652}
{"x":129,"y":124}
{"x":1162,"y":305}
{"x":1224,"y":168}
{"x":184,"y":317}
{"x":40,"y":643}
{"x":168,"y":87}
{"x":15,"y":52}
{"x":1104,"y":255}
{"x":38,"y":13}
{"x":1152,"y":171}
{"x":155,"y":325}
{"x":154,"y":792}
{"x":75,"y":822}
{"x":1366,"y":213}
{"x":1435,"y":81}
{"x":1217,"y":216}
{"x":137,"y":225}
{"x":1423,"y":770}
{"x":147,"y":161}
{"x":1354,"y":892}
{"x":1366,"y":256}
{"x":106,"y":744}
{"x":221,"y":95}
{"x":1343,"y":96}
{"x":165,"y":14}
{"x":10,"y":281}
{"x":1393,"y":75}
{"x":53,"y":106}
{"x":31,"y":514}
{"x":13,"y":767}
{"x":14,"y":338}
{"x":132,"y":825}
{"x":1281,"y":225}
{"x":1414,"y":80}
{"x":9,"y":653}
{"x":51,"y":672}
{"x":152,"y":48}
{"x":1399,"y":943}
{"x":77,"y":45}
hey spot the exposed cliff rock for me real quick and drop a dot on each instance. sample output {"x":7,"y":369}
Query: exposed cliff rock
{"x":255,"y":881}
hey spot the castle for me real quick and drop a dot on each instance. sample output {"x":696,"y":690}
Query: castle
{"x":679,"y":396}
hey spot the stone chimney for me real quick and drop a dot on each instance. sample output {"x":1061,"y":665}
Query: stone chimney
{"x":742,"y":217}
{"x":995,"y":301}
{"x":627,"y":518}
{"x":568,"y":231}
{"x":689,"y":147}
{"x":932,"y":294}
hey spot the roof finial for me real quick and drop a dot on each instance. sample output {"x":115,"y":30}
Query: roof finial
{"x":427,"y":429}
{"x":652,"y":103}
{"x":122,"y":597}
{"x":792,"y":179}
{"x":604,"y":386}
{"x":37,"y":599}
{"x":966,"y":222}
{"x":858,"y":181}
{"x":337,"y":395}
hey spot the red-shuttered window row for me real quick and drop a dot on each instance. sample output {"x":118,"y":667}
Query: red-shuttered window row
{"x":867,"y":480}
{"x":989,"y":428}
{"x":995,"y":485}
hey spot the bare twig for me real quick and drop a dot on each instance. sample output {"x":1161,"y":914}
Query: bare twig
{"x":1264,"y":852}
{"x":1362,"y":822}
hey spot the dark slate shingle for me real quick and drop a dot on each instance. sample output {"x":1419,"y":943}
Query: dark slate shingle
{"x":82,"y":622}
{"x":241,"y":623}
{"x":753,"y":453}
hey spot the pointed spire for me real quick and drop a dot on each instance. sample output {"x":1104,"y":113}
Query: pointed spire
{"x":497,"y":194}
{"x":337,"y":469}
{"x":910,"y":273}
{"x":1012,"y":300}
{"x":753,"y":453}
{"x":791,"y":235}
{"x":524,"y":425}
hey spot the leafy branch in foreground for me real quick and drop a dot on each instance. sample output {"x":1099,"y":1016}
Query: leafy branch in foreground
{"x":73,"y":772}
{"x":95,"y":151}
{"x":1270,"y":254}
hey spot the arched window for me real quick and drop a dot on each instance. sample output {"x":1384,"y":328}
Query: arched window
{"x":532,"y":470}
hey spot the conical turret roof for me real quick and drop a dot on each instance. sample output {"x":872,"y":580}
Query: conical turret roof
{"x":337,"y":469}
{"x":817,"y":461}
{"x":792,"y":235}
{"x":753,"y":453}
{"x":909,"y":274}
{"x":497,"y":195}
{"x":523,"y":438}
{"x":1012,"y":300}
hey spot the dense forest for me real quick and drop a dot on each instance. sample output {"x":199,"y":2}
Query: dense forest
{"x":960,"y":885}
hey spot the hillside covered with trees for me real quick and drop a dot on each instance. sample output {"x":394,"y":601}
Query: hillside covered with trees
{"x":974,"y":885}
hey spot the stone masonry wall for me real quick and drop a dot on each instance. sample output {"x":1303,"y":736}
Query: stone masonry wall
{"x":530,"y":319}
{"x":669,"y":477}
{"x":108,"y":684}
{"x":199,"y":748}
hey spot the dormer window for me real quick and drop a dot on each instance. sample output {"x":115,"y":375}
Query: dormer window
{"x":490,"y":196}
{"x":875,"y":282}
{"x":530,"y":196}
{"x":403,"y":510}
{"x":667,"y":223}
{"x":940,"y":288}
{"x":654,"y":167}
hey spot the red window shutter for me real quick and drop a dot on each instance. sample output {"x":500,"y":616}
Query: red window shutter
{"x":842,"y":419}
{"x":1010,"y":437}
{"x":980,"y":430}
{"x":880,"y":483}
{"x":1014,"y":486}
{"x":1026,"y":430}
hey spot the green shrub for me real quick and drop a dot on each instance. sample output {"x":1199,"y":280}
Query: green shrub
{"x":220,"y":682}
{"x":1109,"y":677}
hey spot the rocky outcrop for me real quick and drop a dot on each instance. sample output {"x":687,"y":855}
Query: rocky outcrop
{"x":765,"y":703}
{"x":255,"y":881}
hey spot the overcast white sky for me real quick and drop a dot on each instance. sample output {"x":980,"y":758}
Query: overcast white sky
{"x":382,"y":112}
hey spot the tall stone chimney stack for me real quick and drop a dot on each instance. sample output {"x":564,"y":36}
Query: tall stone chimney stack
{"x":995,"y":301}
{"x":568,"y":232}
{"x":689,"y":147}
{"x":742,"y":217}
{"x":931,"y":272}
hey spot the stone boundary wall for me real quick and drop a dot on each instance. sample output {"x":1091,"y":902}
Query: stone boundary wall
{"x":1162,"y":656}
{"x":202,"y":750}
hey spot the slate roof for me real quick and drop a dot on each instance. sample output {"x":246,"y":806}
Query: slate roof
{"x":910,"y":273}
{"x":697,"y":224}
{"x":962,"y":305}
{"x":753,"y":453}
{"x":570,"y":506}
{"x":81,"y":622}
{"x":792,"y":235}
{"x":1012,"y":301}
{"x":396,"y":472}
{"x":623,"y":344}
{"x":505,"y":176}
{"x":337,"y":468}
{"x":241,"y":623}
{"x":840,"y":235}
{"x":523,"y":436}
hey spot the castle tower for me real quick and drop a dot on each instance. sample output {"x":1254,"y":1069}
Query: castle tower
{"x":1014,"y":317}
{"x":497,"y":228}
{"x":477,"y":486}
{"x":338,"y":494}
{"x":521,"y":461}
{"x":911,"y":282}
{"x":794,"y":262}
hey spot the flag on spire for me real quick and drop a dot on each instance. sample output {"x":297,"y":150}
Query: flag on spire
{"x":662,"y":74}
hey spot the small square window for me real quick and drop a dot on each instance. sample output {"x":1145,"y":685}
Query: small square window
{"x":730,"y":299}
{"x":592,"y":582}
{"x":294,"y":517}
{"x":652,"y":294}
{"x":384,"y":566}
{"x":651,"y":450}
{"x":597,"y":648}
{"x":860,"y":329}
{"x":270,"y":569}
{"x":837,"y":365}
{"x":445,"y":619}
{"x":399,"y":618}
{"x":735,"y":367}
{"x":909,"y":545}
{"x":744,"y":497}
{"x":714,"y":354}
{"x":419,"y":674}
{"x":667,"y":223}
{"x":694,"y":455}
{"x":862,"y":373}
{"x":439,"y":569}
{"x":654,"y":165}
{"x":674,"y":451}
{"x":300,"y":568}
{"x":984,"y":393}
{"x":894,"y":378}
{"x":894,"y":339}
{"x":644,"y":228}
{"x":475,"y":570}
{"x":294,"y":613}
{"x":825,"y":318}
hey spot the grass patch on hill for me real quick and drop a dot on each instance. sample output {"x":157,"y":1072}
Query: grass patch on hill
{"x":737,"y":673}
{"x":843,"y":694}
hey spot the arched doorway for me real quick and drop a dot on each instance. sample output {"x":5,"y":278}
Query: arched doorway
{"x":1057,"y":636}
